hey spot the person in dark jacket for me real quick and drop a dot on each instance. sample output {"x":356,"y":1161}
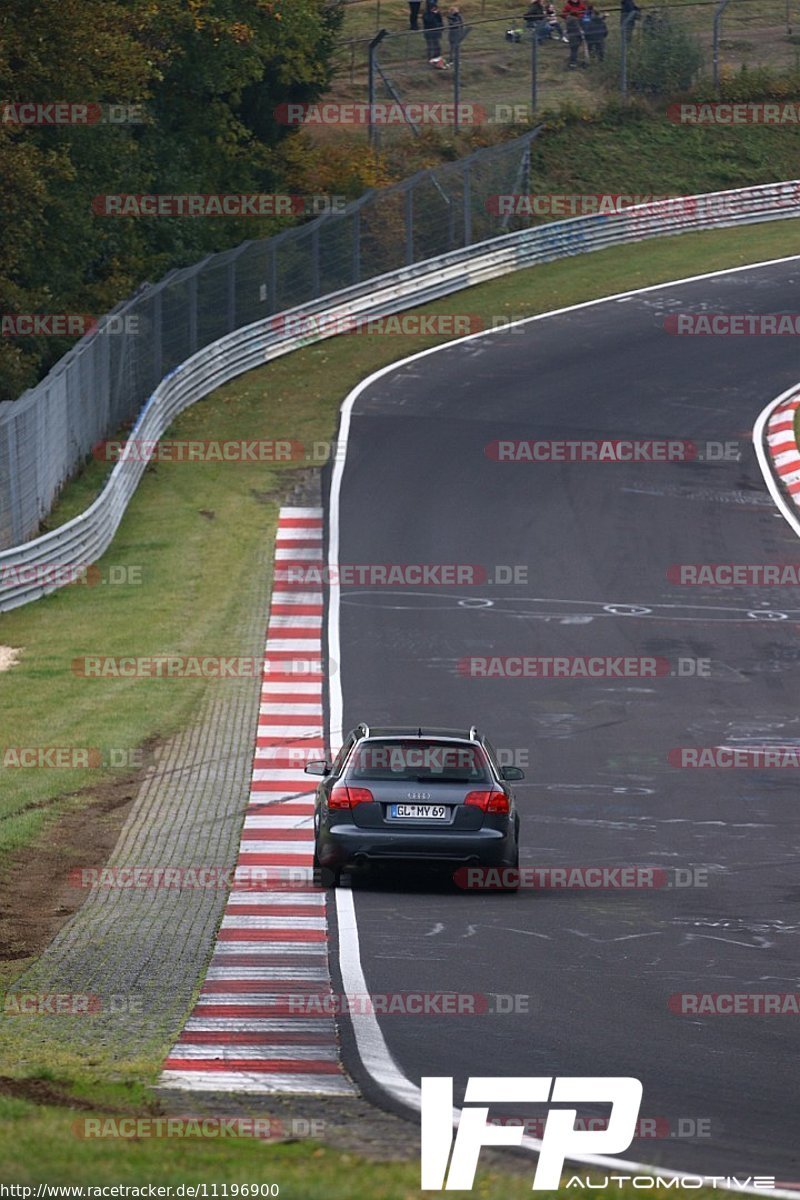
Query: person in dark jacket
{"x":413,"y":13}
{"x":575,"y":39}
{"x":455,"y":26}
{"x":433,"y":25}
{"x":628,"y":16}
{"x":536,"y":20}
{"x":596,"y":31}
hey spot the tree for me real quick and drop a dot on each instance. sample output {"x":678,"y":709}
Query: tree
{"x":208,"y":75}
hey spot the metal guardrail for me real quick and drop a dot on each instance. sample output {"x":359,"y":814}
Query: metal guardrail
{"x":36,"y":568}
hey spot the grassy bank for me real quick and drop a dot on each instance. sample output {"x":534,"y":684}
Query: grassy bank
{"x":613,"y":147}
{"x":305,"y":1170}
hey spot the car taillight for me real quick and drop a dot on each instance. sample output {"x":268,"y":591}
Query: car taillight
{"x":360,"y":796}
{"x":493,"y":802}
{"x":349,"y":797}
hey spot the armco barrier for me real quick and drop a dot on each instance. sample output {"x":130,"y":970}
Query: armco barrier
{"x":25,"y":569}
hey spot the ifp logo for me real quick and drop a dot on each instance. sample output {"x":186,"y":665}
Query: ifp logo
{"x":560,"y":1140}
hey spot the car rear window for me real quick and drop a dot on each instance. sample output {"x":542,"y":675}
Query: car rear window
{"x":416,"y":760}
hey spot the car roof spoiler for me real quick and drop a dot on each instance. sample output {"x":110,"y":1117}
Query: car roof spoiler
{"x":363,"y":731}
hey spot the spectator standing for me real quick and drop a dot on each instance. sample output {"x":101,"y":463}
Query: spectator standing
{"x":573,"y":8}
{"x":413,"y":13}
{"x":628,"y":16}
{"x":596,"y":32}
{"x":433,"y":24}
{"x":575,"y":39}
{"x":455,"y":24}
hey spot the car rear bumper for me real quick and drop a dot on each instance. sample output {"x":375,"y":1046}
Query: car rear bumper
{"x":343,"y":847}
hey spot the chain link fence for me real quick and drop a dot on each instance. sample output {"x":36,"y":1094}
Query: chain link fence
{"x":502,"y":66}
{"x":105,"y":379}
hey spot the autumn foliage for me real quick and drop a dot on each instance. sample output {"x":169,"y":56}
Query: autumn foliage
{"x":206,"y":77}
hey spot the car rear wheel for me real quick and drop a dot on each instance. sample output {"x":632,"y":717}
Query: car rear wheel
{"x":324,"y":877}
{"x":510,"y":875}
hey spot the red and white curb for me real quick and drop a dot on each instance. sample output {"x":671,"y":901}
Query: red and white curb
{"x":783,"y":449}
{"x":262,"y":1023}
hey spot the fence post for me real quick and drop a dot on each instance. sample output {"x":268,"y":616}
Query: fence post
{"x":193,"y":312}
{"x":357,"y":246}
{"x":18,"y":534}
{"x":461,"y":34}
{"x":158,"y":338}
{"x":718,"y":11}
{"x":315,"y":275}
{"x":39,"y":463}
{"x":101,"y":370}
{"x":467,"y":206}
{"x":409,"y":225}
{"x":373,"y":47}
{"x":625,"y":33}
{"x":456,"y":83}
{"x":231,"y":295}
{"x":521,"y":180}
{"x":534,"y":69}
{"x":272,"y":296}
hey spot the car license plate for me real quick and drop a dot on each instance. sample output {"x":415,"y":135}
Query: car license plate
{"x":419,"y":812}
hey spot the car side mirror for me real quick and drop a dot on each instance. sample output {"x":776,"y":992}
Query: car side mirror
{"x":511,"y":774}
{"x":316,"y":768}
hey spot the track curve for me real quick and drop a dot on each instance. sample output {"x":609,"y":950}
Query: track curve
{"x":597,"y":539}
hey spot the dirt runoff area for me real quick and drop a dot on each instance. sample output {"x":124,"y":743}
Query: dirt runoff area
{"x":37,"y":894}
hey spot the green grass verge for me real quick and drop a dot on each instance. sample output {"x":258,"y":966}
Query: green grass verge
{"x":42,"y":1144}
{"x":630,"y":151}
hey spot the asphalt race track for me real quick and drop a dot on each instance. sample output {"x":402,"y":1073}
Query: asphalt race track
{"x":598,"y":966}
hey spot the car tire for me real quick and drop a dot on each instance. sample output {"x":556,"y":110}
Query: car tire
{"x":324,"y":877}
{"x":514,"y":866}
